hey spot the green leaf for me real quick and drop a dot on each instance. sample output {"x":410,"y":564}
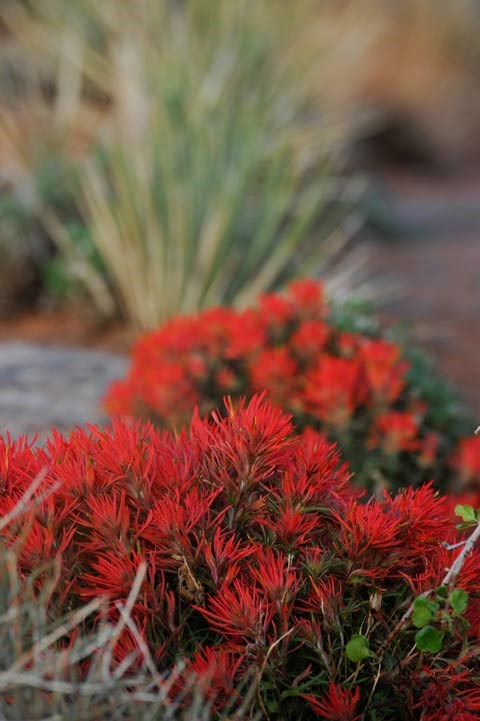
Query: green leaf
{"x":424,"y":611}
{"x":442,"y":592}
{"x":458,"y":600}
{"x":357,"y":648}
{"x":466,"y":513}
{"x":429,"y":639}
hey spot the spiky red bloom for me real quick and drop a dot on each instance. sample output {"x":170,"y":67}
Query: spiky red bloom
{"x":338,"y":704}
{"x":258,"y":559}
{"x":215,"y":672}
{"x":449,"y":695}
{"x":395,"y":432}
{"x":466,"y":461}
{"x":349,"y":385}
{"x":385,"y":370}
{"x":334,"y":391}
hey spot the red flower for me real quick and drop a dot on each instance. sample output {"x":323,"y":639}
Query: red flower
{"x":275,"y":371}
{"x":309,"y":339}
{"x":428,"y":450}
{"x":343,"y":383}
{"x":276,"y":310}
{"x":369,"y":539}
{"x":107,"y":519}
{"x":449,"y":696}
{"x":333,"y":391}
{"x":395,"y":432}
{"x":384,"y":369}
{"x":308,"y":296}
{"x":338,"y":704}
{"x":222,"y":555}
{"x":425,"y":517}
{"x":240,"y":612}
{"x":216,"y":672}
{"x":113,"y":574}
{"x":276,"y":577}
{"x":246,"y":335}
{"x":258,"y":557}
{"x":292,"y":527}
{"x":466,"y":461}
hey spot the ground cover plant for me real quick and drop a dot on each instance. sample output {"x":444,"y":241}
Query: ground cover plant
{"x":351,"y":383}
{"x":251,"y":557}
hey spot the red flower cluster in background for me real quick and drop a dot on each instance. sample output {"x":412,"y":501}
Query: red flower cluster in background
{"x":260,"y":561}
{"x":348,"y":385}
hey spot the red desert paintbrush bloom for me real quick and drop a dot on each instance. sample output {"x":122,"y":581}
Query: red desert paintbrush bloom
{"x":333,"y":391}
{"x":449,"y":695}
{"x":395,"y":432}
{"x":385,"y":370}
{"x":215,"y":672}
{"x":466,"y":461}
{"x":338,"y":704}
{"x":351,"y":385}
{"x":257,"y":560}
{"x":242,"y":613}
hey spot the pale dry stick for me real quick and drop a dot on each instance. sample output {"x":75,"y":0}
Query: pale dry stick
{"x":457,"y":565}
{"x":127,"y":610}
{"x":143,"y":648}
{"x":76,"y":619}
{"x":87,"y":688}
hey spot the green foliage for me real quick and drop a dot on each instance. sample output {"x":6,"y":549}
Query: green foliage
{"x":429,"y":639}
{"x":467,"y":513}
{"x":458,"y":600}
{"x":424,"y":611}
{"x":445,"y":410}
{"x":429,"y":614}
{"x":357,"y":649}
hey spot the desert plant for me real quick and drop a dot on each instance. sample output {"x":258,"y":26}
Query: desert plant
{"x":249,"y":553}
{"x":56,"y":664}
{"x":332,"y":371}
{"x":215,"y":177}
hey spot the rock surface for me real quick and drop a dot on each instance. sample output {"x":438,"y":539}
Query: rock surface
{"x":50,"y":386}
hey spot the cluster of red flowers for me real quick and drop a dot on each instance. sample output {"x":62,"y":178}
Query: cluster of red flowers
{"x":351,"y":386}
{"x":260,"y":562}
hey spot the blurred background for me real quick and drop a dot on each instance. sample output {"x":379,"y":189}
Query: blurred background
{"x":160,"y":156}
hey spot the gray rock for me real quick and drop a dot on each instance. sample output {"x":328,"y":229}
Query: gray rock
{"x":42,"y":387}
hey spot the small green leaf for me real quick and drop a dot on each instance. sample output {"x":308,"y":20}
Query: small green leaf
{"x":424,"y":611}
{"x":458,"y":600}
{"x":429,"y":639}
{"x":466,"y":513}
{"x":357,"y":648}
{"x":442,"y":592}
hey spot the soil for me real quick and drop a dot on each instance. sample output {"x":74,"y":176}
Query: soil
{"x":432,"y":266}
{"x":68,"y":327}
